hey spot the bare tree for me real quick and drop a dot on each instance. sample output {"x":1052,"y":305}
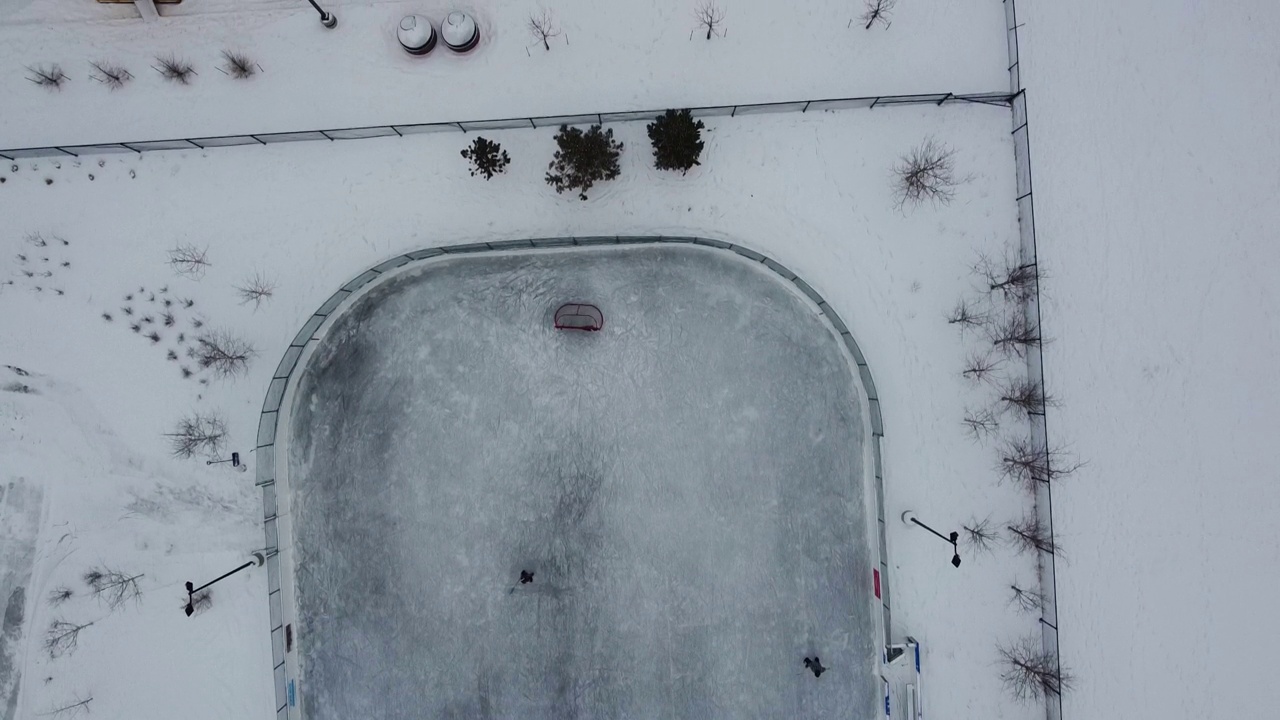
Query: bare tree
{"x":175,"y":69}
{"x":879,"y":11}
{"x":1029,"y":535}
{"x":112,"y":75}
{"x":980,"y":366}
{"x":49,"y":76}
{"x":190,"y":260}
{"x":979,"y":536}
{"x":1014,"y":333}
{"x":543,"y":27}
{"x":70,"y":710}
{"x":1014,"y":279}
{"x":201,"y":433}
{"x":1026,"y":462}
{"x":1027,"y":600}
{"x":59,"y":595}
{"x":239,"y":65}
{"x":257,"y":290}
{"x":925,"y":173}
{"x":1029,"y":672}
{"x":1025,"y":394}
{"x":968,"y":314}
{"x":981,"y":423}
{"x":709,"y":16}
{"x":225,"y":354}
{"x":62,"y":636}
{"x":114,"y":587}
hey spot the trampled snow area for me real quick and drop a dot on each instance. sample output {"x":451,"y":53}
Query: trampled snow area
{"x":608,"y":57}
{"x":811,"y":191}
{"x":689,"y":486}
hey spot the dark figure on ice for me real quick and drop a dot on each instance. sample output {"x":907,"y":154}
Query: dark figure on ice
{"x":526,"y":577}
{"x":815,"y":665}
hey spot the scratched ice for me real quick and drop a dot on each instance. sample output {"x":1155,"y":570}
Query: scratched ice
{"x":686,"y":486}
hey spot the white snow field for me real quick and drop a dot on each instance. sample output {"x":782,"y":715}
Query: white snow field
{"x":688,"y":485}
{"x":608,"y":57}
{"x":1155,"y":156}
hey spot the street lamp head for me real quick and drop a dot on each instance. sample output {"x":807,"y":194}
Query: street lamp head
{"x":190,"y":588}
{"x":190,"y":608}
{"x":955,"y":560}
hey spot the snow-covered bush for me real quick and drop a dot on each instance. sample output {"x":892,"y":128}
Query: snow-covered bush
{"x":677,"y":140}
{"x":584,"y":158}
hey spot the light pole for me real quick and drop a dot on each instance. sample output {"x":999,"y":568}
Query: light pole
{"x":909,"y":518}
{"x":327,"y":19}
{"x":234,"y":460}
{"x":258,"y":559}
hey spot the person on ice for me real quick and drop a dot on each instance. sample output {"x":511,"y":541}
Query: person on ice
{"x":526,"y":577}
{"x":815,"y":665}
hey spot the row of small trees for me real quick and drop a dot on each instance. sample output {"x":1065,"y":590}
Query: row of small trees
{"x":996,"y":324}
{"x":586,"y":157}
{"x":170,"y":67}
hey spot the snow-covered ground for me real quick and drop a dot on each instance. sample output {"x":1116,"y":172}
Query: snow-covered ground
{"x":1155,"y":156}
{"x":1155,"y":186}
{"x":609,"y":57}
{"x":689,"y":486}
{"x":812,"y":191}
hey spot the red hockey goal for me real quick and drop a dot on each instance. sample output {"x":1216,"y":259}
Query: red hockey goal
{"x":579,"y":316}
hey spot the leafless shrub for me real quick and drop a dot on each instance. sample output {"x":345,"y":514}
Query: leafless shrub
{"x":238,"y":65}
{"x":114,"y":587}
{"x":1014,"y":279}
{"x":257,"y":290}
{"x":69,"y":710}
{"x":925,"y":173}
{"x":979,"y":536}
{"x":543,"y":27}
{"x":1026,"y":395}
{"x":175,"y":69}
{"x":981,"y":423}
{"x":62,"y":637}
{"x":1029,"y":535}
{"x":1026,"y":599}
{"x":49,"y":76}
{"x":1030,"y":673}
{"x":1014,"y":333}
{"x":980,"y":366}
{"x":1027,"y":463}
{"x":968,"y":314}
{"x":201,"y":433}
{"x":710,"y":17}
{"x":225,"y":354}
{"x":59,"y":595}
{"x":879,"y":11}
{"x":189,"y":260}
{"x":112,"y":75}
{"x":36,"y":239}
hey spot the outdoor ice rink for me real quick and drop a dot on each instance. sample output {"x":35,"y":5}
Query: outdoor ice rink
{"x":688,"y":486}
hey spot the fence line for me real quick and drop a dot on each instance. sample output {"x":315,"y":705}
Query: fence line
{"x":1035,"y":357}
{"x":286,"y":673}
{"x":536,"y":121}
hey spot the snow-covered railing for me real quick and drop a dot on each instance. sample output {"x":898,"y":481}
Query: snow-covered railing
{"x":373,"y":131}
{"x":1039,"y":431}
{"x":283,"y":659}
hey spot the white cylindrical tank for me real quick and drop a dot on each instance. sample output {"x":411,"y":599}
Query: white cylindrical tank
{"x":460,"y":32}
{"x":416,"y":35}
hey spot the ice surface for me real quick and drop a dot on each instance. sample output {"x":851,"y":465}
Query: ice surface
{"x":687,"y":485}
